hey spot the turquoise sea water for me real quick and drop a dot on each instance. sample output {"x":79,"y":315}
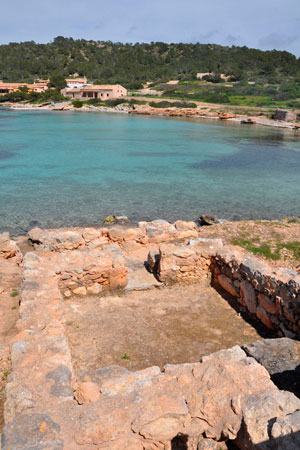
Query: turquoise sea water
{"x":75,"y":168}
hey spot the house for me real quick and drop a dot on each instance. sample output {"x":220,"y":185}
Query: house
{"x":102,"y":92}
{"x":37,"y":86}
{"x":7,"y":88}
{"x":76,"y":82}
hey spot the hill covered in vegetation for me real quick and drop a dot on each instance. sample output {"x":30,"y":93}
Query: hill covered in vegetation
{"x":132,"y":64}
{"x":253,"y":77}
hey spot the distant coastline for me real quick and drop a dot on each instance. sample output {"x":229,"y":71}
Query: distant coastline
{"x":199,"y":112}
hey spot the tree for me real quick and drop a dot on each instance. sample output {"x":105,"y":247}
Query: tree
{"x":57,"y":81}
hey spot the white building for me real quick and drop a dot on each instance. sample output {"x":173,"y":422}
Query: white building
{"x":76,"y":82}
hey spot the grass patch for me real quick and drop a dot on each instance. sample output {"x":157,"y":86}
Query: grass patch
{"x":268,"y":250}
{"x":249,"y":100}
{"x":262,"y":249}
{"x":125,"y":357}
{"x":14,"y":307}
{"x":5,"y":375}
{"x":14,"y":294}
{"x":69,"y":322}
{"x":270,"y":224}
{"x":293,"y":247}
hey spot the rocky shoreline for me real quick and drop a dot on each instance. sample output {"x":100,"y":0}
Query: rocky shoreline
{"x":195,"y":113}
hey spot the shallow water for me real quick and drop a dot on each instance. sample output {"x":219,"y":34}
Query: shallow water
{"x":75,"y":168}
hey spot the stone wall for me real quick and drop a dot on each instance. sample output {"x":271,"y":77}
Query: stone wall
{"x":272,"y":295}
{"x":286,"y":116}
{"x":183,"y":263}
{"x":129,"y":238}
{"x":91,"y":270}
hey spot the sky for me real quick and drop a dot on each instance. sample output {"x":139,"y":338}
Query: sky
{"x":264,"y":24}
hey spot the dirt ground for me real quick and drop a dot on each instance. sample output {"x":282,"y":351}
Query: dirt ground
{"x":139,"y":329}
{"x":10,"y":283}
{"x":273,"y":241}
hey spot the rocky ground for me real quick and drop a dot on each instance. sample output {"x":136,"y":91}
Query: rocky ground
{"x":10,"y":284}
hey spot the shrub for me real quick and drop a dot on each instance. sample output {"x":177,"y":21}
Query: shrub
{"x":213,"y":78}
{"x":95,"y":102}
{"x":166,"y":104}
{"x":77,"y":103}
{"x":137,"y":102}
{"x":115,"y":102}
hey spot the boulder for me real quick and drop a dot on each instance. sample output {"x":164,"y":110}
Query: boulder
{"x":9,"y":248}
{"x":258,"y":413}
{"x":285,"y":432}
{"x":152,"y":261}
{"x":281,"y":358}
{"x":207,"y":220}
{"x":209,"y":444}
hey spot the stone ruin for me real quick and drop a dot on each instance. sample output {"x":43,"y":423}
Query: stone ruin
{"x":285,"y":115}
{"x":233,"y":396}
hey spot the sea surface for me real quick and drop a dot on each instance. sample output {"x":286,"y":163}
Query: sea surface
{"x":75,"y":168}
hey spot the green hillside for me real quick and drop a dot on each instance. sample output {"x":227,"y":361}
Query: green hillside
{"x":256,"y":77}
{"x":131,"y":64}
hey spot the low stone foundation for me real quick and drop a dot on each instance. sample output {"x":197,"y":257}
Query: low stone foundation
{"x":273,"y":296}
{"x":228,"y":395}
{"x":90,"y":271}
{"x":156,"y":232}
{"x":183,"y":263}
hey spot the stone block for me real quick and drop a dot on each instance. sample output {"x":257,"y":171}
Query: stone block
{"x":129,"y":383}
{"x":248,"y":296}
{"x":32,"y":431}
{"x":263,"y":316}
{"x":227,"y":284}
{"x":87,"y":392}
{"x":267,"y":304}
{"x":81,"y":290}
